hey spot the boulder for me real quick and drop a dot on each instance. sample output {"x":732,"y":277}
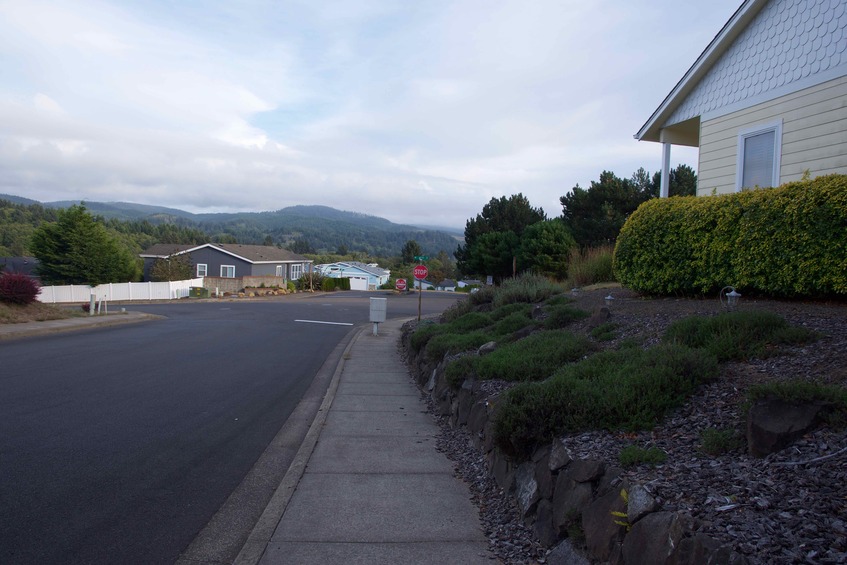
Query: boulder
{"x":502,"y":469}
{"x":641,"y":502}
{"x":610,"y":480}
{"x":569,"y":500}
{"x":477,"y":419}
{"x":486,"y":348}
{"x":559,"y":455}
{"x":565,"y":554}
{"x":526,"y":488}
{"x":586,"y":470}
{"x":543,"y":476}
{"x":774,"y":424}
{"x":465,"y":398}
{"x":543,"y":528}
{"x":600,"y":317}
{"x":602,"y":535}
{"x":653,"y":539}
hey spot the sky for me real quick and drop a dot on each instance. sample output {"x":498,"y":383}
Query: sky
{"x":420,"y":112}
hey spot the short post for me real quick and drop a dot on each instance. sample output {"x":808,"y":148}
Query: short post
{"x":91,"y":304}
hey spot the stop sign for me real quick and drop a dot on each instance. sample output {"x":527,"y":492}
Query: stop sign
{"x":400,"y":284}
{"x":421,"y":272}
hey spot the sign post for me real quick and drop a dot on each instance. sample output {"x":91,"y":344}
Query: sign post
{"x":420,"y":273}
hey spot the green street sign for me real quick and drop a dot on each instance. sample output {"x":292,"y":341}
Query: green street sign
{"x":421,"y":257}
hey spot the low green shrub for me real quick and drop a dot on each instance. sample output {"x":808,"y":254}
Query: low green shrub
{"x":615,"y":390}
{"x":591,"y":266}
{"x":469,"y":322}
{"x":633,"y":455}
{"x":736,"y":335}
{"x":484,"y":295}
{"x":424,"y":332}
{"x":17,"y":288}
{"x":797,"y":391}
{"x":443,"y":343}
{"x":715,"y":441}
{"x":509,"y":309}
{"x":533,"y":358}
{"x":559,"y":300}
{"x":562,"y":316}
{"x":460,"y":369}
{"x":512,"y":323}
{"x":604,"y":332}
{"x":526,"y":288}
{"x":457,"y":309}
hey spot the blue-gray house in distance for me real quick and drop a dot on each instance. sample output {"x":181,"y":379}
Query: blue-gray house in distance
{"x":362,"y":276}
{"x":232,"y":260}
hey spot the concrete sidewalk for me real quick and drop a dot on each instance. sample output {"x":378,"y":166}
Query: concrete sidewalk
{"x":370,"y":486}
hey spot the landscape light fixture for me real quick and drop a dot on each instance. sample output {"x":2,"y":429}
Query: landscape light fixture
{"x":575,"y":291}
{"x":609,"y":299}
{"x":729,"y":298}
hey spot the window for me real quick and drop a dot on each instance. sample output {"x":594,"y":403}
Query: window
{"x":202,"y":269}
{"x":228,"y":271}
{"x":759,"y":149}
{"x":296,"y":271}
{"x":280,"y":270}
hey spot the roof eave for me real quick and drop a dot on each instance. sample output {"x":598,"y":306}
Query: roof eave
{"x":651,"y":130}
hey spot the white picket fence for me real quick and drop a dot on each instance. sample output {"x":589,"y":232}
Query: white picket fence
{"x":118,"y":291}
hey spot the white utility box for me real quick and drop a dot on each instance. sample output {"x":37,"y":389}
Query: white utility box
{"x":378,"y":309}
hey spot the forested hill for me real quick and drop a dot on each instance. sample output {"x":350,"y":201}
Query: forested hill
{"x":306,"y":229}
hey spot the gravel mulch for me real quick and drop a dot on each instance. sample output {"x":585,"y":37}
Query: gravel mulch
{"x":790,"y":507}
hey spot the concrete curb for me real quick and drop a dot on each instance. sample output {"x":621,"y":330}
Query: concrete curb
{"x":254,"y":548}
{"x":47,"y":327}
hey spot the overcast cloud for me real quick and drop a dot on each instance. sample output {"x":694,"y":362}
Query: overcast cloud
{"x":419,"y":112}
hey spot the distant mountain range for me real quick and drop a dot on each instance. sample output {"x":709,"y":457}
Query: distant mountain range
{"x":324,"y":229}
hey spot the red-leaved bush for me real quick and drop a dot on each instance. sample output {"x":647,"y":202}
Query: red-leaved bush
{"x":16,"y":288}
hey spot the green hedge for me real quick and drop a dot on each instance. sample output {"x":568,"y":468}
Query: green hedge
{"x":329,"y":284}
{"x":785,"y":241}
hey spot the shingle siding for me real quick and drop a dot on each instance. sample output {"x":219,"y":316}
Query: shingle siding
{"x":787,"y":44}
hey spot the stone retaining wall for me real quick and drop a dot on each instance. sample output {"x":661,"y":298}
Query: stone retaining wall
{"x":565,"y":498}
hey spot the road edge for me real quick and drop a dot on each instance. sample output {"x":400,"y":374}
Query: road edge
{"x":254,"y":548}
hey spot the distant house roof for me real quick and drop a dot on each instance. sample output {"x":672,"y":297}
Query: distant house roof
{"x":447,"y":283}
{"x":371,"y":269}
{"x":22,"y":265}
{"x":165,"y":249}
{"x":249,"y":253}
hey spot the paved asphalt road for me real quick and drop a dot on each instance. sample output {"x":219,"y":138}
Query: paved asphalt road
{"x":118,"y":445}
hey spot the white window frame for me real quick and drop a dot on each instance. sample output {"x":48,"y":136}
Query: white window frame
{"x":280,"y":270}
{"x":296,"y":271}
{"x":202,"y":269}
{"x":227,"y":268}
{"x":776,"y":128}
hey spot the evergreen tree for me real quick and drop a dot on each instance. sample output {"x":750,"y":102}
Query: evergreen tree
{"x":173,"y":268}
{"x":410,"y":250}
{"x":500,"y":216}
{"x":77,"y":249}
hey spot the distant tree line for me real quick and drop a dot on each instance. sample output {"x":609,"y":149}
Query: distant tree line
{"x":510,"y":236}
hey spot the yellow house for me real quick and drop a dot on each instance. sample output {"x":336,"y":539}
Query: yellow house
{"x":766,"y":100}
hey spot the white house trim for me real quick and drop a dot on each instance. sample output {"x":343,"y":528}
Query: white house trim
{"x":797,"y":86}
